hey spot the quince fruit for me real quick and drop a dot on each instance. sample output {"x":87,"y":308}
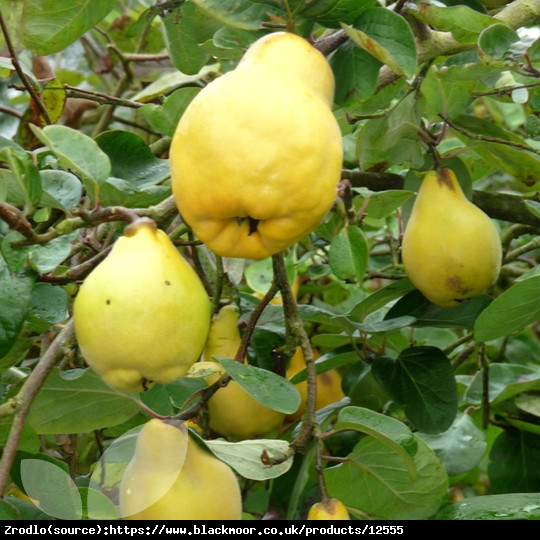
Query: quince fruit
{"x":451,"y":249}
{"x":233,"y":413}
{"x":172,"y":477}
{"x":142,"y":315}
{"x":331,"y":509}
{"x":328,"y":385}
{"x":257,"y":155}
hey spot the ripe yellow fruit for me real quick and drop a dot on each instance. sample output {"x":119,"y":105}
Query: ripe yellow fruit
{"x":451,"y":249}
{"x":232,"y":412}
{"x":224,"y":337}
{"x":328,"y":510}
{"x":172,"y":477}
{"x":328,"y":385}
{"x":142,"y":315}
{"x":257,"y":155}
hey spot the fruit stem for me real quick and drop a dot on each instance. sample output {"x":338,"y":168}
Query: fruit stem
{"x":319,"y":468}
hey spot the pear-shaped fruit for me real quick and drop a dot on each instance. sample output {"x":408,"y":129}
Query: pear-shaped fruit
{"x":451,"y":249}
{"x":328,"y":385}
{"x":257,"y":155}
{"x":328,"y":510}
{"x":172,"y":477}
{"x":142,"y":315}
{"x":233,"y":413}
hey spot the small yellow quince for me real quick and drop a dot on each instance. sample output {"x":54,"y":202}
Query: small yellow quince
{"x":233,"y":413}
{"x":451,"y":249}
{"x":172,"y":477}
{"x":142,"y":315}
{"x":331,"y":509}
{"x":328,"y":385}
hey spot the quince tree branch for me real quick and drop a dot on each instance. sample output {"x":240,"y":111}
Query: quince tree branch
{"x":19,"y":406}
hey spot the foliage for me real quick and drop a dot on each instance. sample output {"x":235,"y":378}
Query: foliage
{"x":441,"y":418}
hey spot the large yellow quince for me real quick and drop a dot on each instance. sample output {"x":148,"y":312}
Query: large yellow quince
{"x":172,"y":477}
{"x":232,"y":412}
{"x":451,"y":249}
{"x":142,"y":315}
{"x":257,"y":155}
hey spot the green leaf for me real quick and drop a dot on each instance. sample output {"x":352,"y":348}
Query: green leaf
{"x":49,"y":303}
{"x":183,"y":39}
{"x":11,"y":12}
{"x":78,"y":153}
{"x":511,"y":311}
{"x":421,"y":380}
{"x":52,"y":487}
{"x":392,"y":138}
{"x":242,"y":14}
{"x":388,"y":37}
{"x":132,"y":159}
{"x":245,"y":457}
{"x":266,"y":387}
{"x":513,"y":463}
{"x":42,"y":257}
{"x":375,"y":324}
{"x":534,"y":208}
{"x":48,"y":26}
{"x":331,"y":13}
{"x":375,"y":481}
{"x":464,"y":23}
{"x":78,"y":401}
{"x":7,"y":510}
{"x":61,"y":189}
{"x":522,"y":164}
{"x":505,"y":382}
{"x":427,"y":314}
{"x":356,"y":72}
{"x":15,"y":298}
{"x":460,"y":448}
{"x":510,"y":506}
{"x":29,"y":440}
{"x":383,"y":204}
{"x":387,"y":430}
{"x":54,"y":99}
{"x":495,"y":44}
{"x":449,"y":98}
{"x":24,"y":184}
{"x":164,"y":118}
{"x":348,"y":254}
{"x":45,"y":258}
{"x":380,"y":298}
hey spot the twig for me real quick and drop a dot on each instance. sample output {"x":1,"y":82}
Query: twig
{"x":22,"y":402}
{"x":99,"y":97}
{"x":296,"y":333}
{"x":17,"y":221}
{"x":25,"y":80}
{"x":486,"y":138}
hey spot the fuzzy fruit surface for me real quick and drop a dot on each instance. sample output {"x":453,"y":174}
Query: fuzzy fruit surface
{"x":257,"y":155}
{"x":142,"y":315}
{"x":451,"y":249}
{"x":331,"y":509}
{"x":233,"y":412}
{"x":171,"y":477}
